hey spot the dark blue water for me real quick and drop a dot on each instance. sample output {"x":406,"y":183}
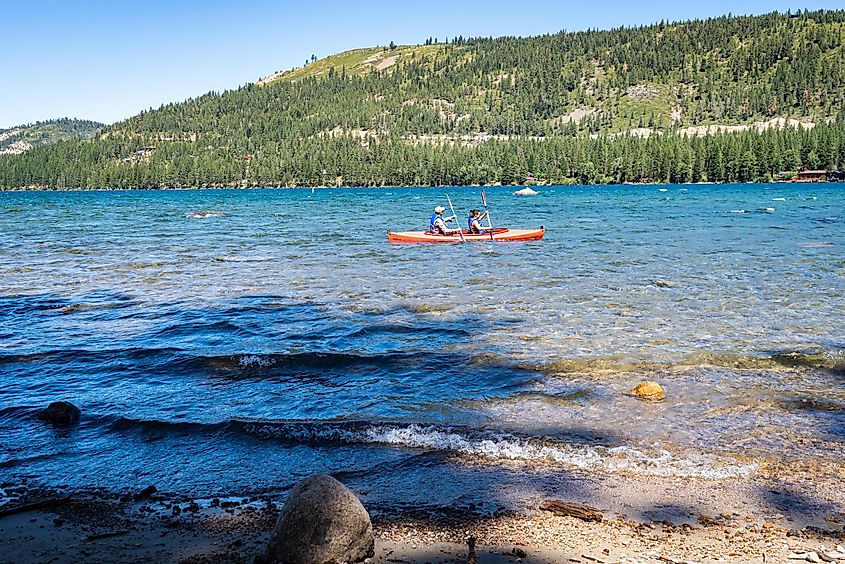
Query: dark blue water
{"x":241,"y":352}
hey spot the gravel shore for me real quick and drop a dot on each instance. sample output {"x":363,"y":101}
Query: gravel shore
{"x":765,"y":519}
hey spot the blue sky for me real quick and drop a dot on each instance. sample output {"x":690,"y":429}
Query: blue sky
{"x":109,"y":60}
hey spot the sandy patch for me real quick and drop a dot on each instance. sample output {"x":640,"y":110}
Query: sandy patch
{"x":387,"y":63}
{"x":577,"y":115}
{"x":758,"y":126}
{"x":467,"y":140}
{"x":16,"y":148}
{"x":642,"y":91}
{"x":677,"y":114}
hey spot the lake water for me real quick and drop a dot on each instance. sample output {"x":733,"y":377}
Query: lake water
{"x":240,"y":353}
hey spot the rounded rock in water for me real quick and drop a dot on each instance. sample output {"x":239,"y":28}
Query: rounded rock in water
{"x":60,"y":413}
{"x":322,"y":522}
{"x":649,"y":390}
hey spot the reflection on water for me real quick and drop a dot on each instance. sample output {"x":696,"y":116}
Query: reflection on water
{"x":290,"y":308}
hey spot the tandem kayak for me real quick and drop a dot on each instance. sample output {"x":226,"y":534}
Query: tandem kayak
{"x":498,"y":234}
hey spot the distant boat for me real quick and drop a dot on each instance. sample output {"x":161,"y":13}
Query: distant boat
{"x":205,"y":214}
{"x":525,"y":192}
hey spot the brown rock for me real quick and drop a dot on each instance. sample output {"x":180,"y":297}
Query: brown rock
{"x":648,"y":390}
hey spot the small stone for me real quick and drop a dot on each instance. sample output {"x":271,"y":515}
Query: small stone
{"x":648,"y":390}
{"x":145,"y":493}
{"x":518,"y":552}
{"x":60,"y":413}
{"x":806,"y":556}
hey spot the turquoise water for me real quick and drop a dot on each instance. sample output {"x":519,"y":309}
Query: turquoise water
{"x":288,"y":334}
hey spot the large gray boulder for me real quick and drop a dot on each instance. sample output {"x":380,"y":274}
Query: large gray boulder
{"x":322,"y":522}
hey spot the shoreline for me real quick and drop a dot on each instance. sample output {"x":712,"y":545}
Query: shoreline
{"x":645,"y":519}
{"x":93,"y":530}
{"x":39,"y":188}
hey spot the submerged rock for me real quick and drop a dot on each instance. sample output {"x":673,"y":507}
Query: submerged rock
{"x":648,"y":390}
{"x":205,"y":214}
{"x":60,"y":413}
{"x":322,"y":522}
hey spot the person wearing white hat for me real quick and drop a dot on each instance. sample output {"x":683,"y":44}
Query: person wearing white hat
{"x":438,"y":222}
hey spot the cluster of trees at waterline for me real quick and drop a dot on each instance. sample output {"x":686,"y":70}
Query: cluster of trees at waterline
{"x":734,"y":157}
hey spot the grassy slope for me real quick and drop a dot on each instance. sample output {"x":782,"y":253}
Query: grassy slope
{"x":357,"y":61}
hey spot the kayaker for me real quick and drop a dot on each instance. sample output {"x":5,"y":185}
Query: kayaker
{"x":475,"y":217}
{"x":438,"y":222}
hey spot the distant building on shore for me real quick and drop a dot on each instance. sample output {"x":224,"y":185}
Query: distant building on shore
{"x":819,"y":175}
{"x":812,"y":175}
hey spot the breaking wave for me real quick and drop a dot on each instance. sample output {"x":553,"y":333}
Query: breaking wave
{"x":490,"y":445}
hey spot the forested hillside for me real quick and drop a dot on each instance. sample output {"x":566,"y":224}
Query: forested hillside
{"x":17,"y":140}
{"x":726,"y":99}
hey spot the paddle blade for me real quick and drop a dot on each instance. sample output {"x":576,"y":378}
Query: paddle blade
{"x":483,"y":198}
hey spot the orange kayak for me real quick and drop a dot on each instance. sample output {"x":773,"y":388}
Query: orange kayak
{"x":499,"y":234}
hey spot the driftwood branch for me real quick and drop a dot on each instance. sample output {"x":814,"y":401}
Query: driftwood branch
{"x":583,"y":512}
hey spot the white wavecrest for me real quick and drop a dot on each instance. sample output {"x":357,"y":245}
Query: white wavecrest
{"x":248,"y":361}
{"x":504,"y":446}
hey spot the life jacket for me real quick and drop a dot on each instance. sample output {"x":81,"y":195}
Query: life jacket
{"x":431,"y":227}
{"x":479,"y":230}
